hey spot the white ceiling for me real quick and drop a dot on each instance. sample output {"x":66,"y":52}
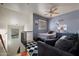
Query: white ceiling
{"x":41,"y":8}
{"x":62,"y":8}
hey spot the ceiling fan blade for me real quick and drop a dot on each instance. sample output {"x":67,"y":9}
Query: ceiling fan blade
{"x":55,"y":13}
{"x":51,"y":8}
{"x":50,"y":14}
{"x":54,"y":9}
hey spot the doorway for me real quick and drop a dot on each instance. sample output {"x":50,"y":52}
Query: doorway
{"x":14,"y":39}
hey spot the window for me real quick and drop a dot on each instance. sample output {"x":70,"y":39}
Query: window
{"x":42,"y":24}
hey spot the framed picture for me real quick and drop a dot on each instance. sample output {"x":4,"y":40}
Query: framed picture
{"x":14,"y":33}
{"x":42,"y":24}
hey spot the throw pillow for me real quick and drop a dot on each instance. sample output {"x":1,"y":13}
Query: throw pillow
{"x":75,"y":49}
{"x":63,"y":43}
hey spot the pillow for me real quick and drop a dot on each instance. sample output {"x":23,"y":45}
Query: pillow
{"x":50,"y":32}
{"x":73,"y":37}
{"x":52,"y":36}
{"x":64,"y":43}
{"x":58,"y":35}
{"x":75,"y":49}
{"x":63,"y":37}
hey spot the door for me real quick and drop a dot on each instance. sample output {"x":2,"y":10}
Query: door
{"x":14,"y":39}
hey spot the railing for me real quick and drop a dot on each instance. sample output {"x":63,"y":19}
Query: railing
{"x":2,"y":42}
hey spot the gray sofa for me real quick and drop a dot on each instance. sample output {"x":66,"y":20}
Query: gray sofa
{"x":47,"y":50}
{"x":58,"y":49}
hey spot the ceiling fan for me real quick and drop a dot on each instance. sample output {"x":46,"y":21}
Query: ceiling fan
{"x":52,"y":11}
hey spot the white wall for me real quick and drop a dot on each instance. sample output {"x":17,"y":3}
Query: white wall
{"x":10,"y":17}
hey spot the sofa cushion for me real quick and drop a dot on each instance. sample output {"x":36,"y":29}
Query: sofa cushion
{"x":63,"y":37}
{"x":64,"y":43}
{"x":47,"y":50}
{"x":75,"y":49}
{"x":74,"y":35}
